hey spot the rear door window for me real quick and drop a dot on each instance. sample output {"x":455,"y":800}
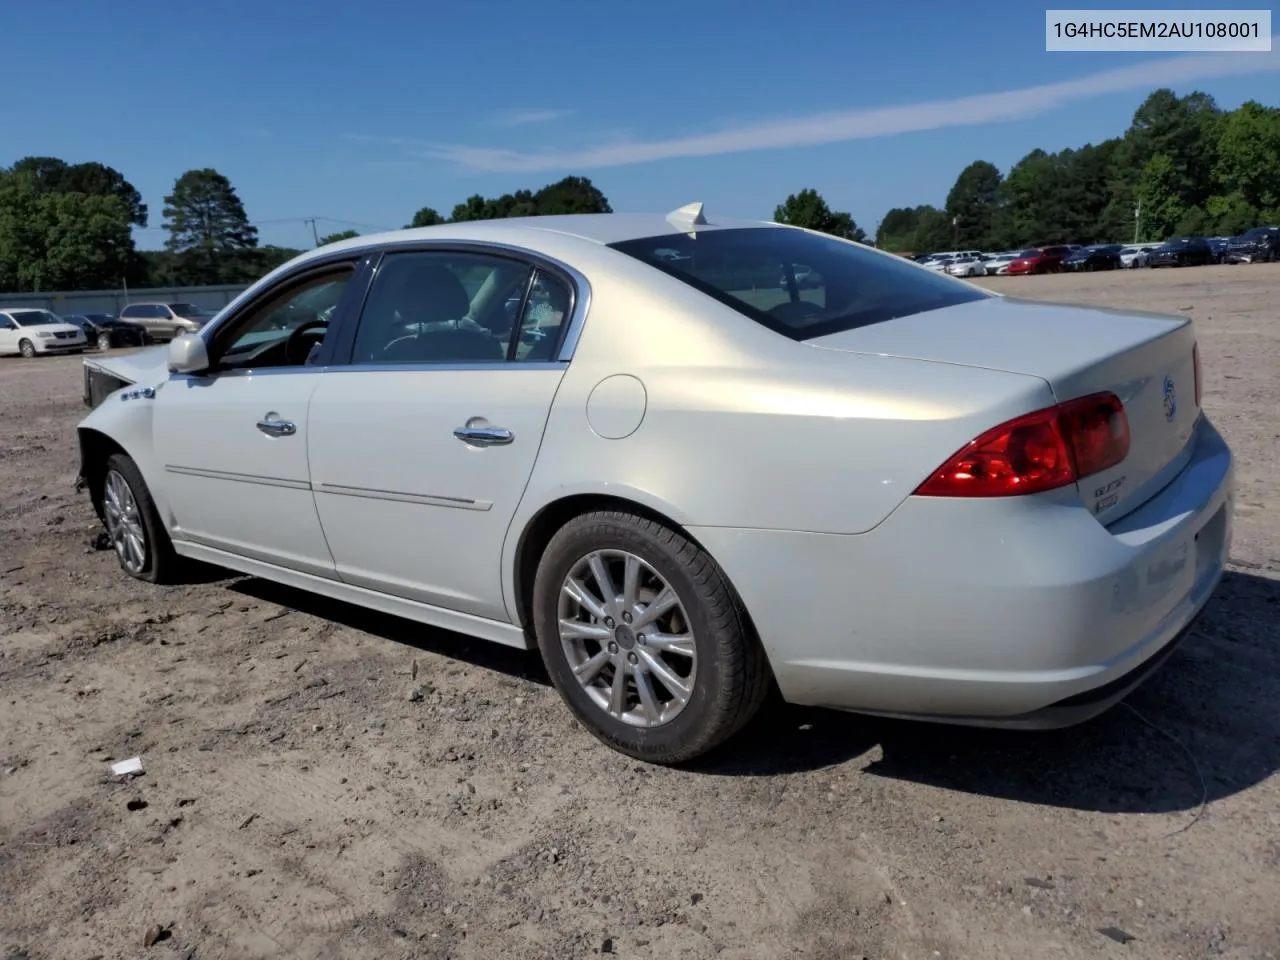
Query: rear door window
{"x":799,"y":284}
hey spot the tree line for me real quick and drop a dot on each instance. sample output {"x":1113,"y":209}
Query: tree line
{"x":1183,"y":167}
{"x":69,"y":226}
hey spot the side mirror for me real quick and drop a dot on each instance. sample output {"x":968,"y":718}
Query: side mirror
{"x":188,"y":354}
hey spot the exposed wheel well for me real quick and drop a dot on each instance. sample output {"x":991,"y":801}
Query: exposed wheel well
{"x":543,"y":527}
{"x":95,"y":448}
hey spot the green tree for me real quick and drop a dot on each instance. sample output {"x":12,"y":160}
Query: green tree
{"x":335,"y":237}
{"x":807,"y":209}
{"x":570,"y":195}
{"x":60,"y":241}
{"x":207,"y":227}
{"x":51,"y":175}
{"x":974,"y":205}
{"x":1162,"y":204}
{"x":426,"y":217}
{"x":1248,"y":162}
{"x":475,"y":207}
{"x":897,"y":229}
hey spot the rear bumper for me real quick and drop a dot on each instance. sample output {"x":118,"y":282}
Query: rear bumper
{"x":1021,"y":613}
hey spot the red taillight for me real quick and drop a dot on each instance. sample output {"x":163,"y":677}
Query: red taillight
{"x":1038,"y":451}
{"x":1195,"y":362}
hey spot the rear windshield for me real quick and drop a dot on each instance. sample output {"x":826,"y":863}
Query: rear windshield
{"x":799,"y":284}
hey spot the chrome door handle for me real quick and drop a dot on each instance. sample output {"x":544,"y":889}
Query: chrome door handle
{"x":479,"y":433}
{"x":273,"y":426}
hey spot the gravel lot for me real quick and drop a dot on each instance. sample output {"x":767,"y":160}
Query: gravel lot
{"x":306,"y":796}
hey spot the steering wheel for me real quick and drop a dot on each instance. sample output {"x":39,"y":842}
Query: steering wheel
{"x":296,"y":348}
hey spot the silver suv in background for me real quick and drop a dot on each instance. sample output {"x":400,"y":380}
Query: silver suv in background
{"x":164,"y":321}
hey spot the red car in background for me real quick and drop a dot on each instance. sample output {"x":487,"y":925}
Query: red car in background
{"x":1039,"y":260}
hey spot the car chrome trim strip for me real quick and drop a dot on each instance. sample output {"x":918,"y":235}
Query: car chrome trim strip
{"x":238,"y":477}
{"x":427,"y":499}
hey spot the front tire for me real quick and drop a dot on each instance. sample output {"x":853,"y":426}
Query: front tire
{"x":134,"y":529}
{"x":26,"y":348}
{"x":644,"y":637}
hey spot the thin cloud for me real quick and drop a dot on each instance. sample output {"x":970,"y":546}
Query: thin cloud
{"x":864,"y":124}
{"x":520,"y":118}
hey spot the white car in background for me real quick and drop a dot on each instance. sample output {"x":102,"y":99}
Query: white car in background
{"x":29,"y":331}
{"x":998,"y":264}
{"x":1136,"y":256}
{"x":967,"y":267}
{"x":938,"y":264}
{"x":905,"y":496}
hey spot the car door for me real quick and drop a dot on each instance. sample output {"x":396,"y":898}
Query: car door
{"x":233,"y":440}
{"x":421,"y":446}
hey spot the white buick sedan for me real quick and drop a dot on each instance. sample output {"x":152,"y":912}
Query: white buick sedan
{"x":621,"y":440}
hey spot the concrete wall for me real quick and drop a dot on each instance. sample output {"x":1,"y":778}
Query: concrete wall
{"x":110,"y":301}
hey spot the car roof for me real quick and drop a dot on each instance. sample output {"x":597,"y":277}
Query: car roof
{"x":13,"y":310}
{"x":597,"y":228}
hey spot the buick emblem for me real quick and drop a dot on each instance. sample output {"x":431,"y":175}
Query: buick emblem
{"x":1170,"y":399}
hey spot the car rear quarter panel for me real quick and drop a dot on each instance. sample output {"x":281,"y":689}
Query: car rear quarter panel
{"x":745,"y":428}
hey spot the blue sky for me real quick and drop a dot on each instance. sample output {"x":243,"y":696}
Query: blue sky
{"x":365,"y":111}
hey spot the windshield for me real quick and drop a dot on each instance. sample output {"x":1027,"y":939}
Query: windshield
{"x":35,"y":318}
{"x":1257,"y":232}
{"x":845,"y":285}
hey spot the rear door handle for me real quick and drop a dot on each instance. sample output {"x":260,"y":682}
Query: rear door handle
{"x":273,"y":426}
{"x":478,"y":432}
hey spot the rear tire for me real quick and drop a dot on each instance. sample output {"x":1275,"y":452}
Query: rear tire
{"x":134,"y":528}
{"x":26,"y":348}
{"x":661,"y":662}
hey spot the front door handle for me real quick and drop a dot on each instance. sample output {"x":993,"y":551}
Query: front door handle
{"x":273,"y":426}
{"x":480,"y":433}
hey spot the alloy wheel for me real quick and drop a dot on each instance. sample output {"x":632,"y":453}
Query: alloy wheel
{"x":627,"y":638}
{"x":124,"y":523}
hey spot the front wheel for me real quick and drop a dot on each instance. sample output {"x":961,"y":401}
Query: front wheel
{"x":645,"y":638}
{"x":27,"y":348}
{"x":134,"y":529}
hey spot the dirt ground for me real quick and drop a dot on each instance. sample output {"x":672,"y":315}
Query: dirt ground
{"x":305,"y":796}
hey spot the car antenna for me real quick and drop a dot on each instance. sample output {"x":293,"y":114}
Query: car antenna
{"x":688,"y":216}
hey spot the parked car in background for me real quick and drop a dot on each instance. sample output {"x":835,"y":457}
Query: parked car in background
{"x":997,"y":264}
{"x":1259,"y":245}
{"x":1101,"y":256}
{"x":164,"y":321}
{"x":967,"y":267}
{"x":1181,"y":252}
{"x":30,"y":331}
{"x":1038,"y":260}
{"x":806,"y":277}
{"x":91,"y":335}
{"x":939,"y":264}
{"x":1218,"y":247}
{"x":115,"y":332}
{"x":1131,"y":258}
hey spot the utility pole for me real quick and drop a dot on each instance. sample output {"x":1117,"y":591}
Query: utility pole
{"x":1137,"y":220}
{"x":955,"y":230}
{"x":314,"y":233}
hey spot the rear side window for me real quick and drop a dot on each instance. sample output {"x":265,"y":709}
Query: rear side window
{"x":799,"y":284}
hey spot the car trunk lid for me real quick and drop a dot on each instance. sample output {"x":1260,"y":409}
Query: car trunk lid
{"x":1146,"y":360}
